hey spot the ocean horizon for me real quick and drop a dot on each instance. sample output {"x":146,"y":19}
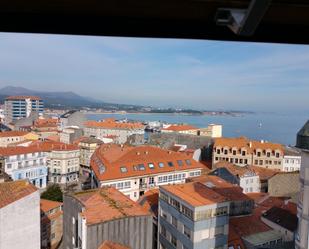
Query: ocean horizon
{"x":273,"y":127}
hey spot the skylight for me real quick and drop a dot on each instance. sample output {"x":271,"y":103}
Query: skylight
{"x":180,"y":163}
{"x":170,"y":164}
{"x":123,"y":169}
{"x":151,"y":165}
{"x":141,"y":167}
{"x":161,"y":165}
{"x":188,"y":162}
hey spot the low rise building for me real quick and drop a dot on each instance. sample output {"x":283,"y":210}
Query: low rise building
{"x":192,"y":216}
{"x":291,"y":160}
{"x":19,"y":215}
{"x":135,"y":170}
{"x":26,"y":163}
{"x":51,"y":223}
{"x":72,"y":118}
{"x":246,"y":177}
{"x":9,"y":137}
{"x":243,"y":151}
{"x":95,"y":216}
{"x":213,"y":130}
{"x":183,"y":129}
{"x":120,"y":131}
{"x":69,"y":134}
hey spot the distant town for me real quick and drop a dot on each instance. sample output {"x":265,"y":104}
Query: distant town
{"x":70,"y":182}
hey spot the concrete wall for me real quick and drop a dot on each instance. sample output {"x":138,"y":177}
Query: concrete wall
{"x":20,"y":223}
{"x":135,"y":232}
{"x":286,"y":234}
{"x":284,"y":184}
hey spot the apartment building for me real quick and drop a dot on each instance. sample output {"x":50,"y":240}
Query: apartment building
{"x":87,"y":147}
{"x":26,"y":163}
{"x":69,"y":134}
{"x":241,"y":151}
{"x":51,"y":223}
{"x":192,"y":216}
{"x":95,"y":216}
{"x":19,"y":215}
{"x":135,"y":170}
{"x":107,"y":128}
{"x":62,"y":161}
{"x":302,"y":235}
{"x":212,"y":130}
{"x":291,"y":160}
{"x":17,"y":107}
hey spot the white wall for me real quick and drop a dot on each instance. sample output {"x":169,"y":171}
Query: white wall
{"x":20,"y":223}
{"x":291,"y":163}
{"x":250,"y":184}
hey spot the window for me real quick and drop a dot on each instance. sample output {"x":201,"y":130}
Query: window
{"x":9,"y":165}
{"x":277,"y":154}
{"x":123,"y":169}
{"x":151,"y":165}
{"x":151,"y":180}
{"x":187,"y":231}
{"x":173,"y":240}
{"x":259,"y":154}
{"x":174,"y":221}
{"x":127,"y":184}
{"x":180,"y":163}
{"x":268,"y":154}
{"x":225,"y":152}
{"x":161,"y":165}
{"x":188,"y":162}
{"x":170,"y":164}
{"x":234,"y":152}
{"x":219,"y":230}
{"x":175,"y":203}
{"x":163,"y":231}
{"x":164,"y":197}
{"x":141,"y":167}
{"x":243,"y":153}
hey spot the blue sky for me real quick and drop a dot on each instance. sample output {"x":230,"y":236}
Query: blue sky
{"x":160,"y":72}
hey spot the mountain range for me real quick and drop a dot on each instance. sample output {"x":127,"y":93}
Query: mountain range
{"x":62,"y":100}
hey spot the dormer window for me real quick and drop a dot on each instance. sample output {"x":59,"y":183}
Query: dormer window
{"x":123,"y":169}
{"x":170,"y":164}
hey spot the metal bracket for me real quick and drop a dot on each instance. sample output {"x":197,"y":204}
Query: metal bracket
{"x":243,"y":21}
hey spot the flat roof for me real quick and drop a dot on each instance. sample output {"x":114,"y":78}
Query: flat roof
{"x":261,"y":238}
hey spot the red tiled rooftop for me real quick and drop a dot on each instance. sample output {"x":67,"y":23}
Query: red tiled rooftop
{"x":113,"y":157}
{"x":53,"y":146}
{"x":47,"y":205}
{"x":15,"y":190}
{"x":112,"y":124}
{"x":222,"y":187}
{"x":106,"y":204}
{"x":149,"y":201}
{"x":18,"y":150}
{"x":180,"y":128}
{"x":13,"y":133}
{"x":194,"y":193}
{"x":112,"y":245}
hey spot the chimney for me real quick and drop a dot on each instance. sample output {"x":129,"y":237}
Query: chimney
{"x":137,"y":153}
{"x":250,"y":144}
{"x":146,"y":152}
{"x":262,"y":141}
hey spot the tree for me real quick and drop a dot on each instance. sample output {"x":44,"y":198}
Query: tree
{"x":53,"y":193}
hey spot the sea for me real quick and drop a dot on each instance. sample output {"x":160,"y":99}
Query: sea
{"x":273,"y":127}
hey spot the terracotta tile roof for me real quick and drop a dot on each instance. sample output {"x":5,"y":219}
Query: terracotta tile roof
{"x":112,"y":124}
{"x":98,"y":201}
{"x":247,"y":225}
{"x":243,"y":142}
{"x":26,"y":141}
{"x":54,"y":138}
{"x":149,"y":201}
{"x":222,"y":187}
{"x":47,"y":205}
{"x":195,"y":193}
{"x":13,"y":133}
{"x":15,"y":190}
{"x":179,"y":128}
{"x":112,"y":245}
{"x":53,"y":146}
{"x":46,"y":122}
{"x":18,"y":150}
{"x":282,"y":217}
{"x":263,"y":173}
{"x":21,"y":97}
{"x":109,"y":159}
